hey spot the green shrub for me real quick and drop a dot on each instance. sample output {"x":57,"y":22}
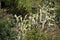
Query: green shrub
{"x":5,"y":30}
{"x":35,"y":34}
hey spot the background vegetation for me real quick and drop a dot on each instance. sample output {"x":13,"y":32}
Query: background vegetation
{"x":30,"y":20}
